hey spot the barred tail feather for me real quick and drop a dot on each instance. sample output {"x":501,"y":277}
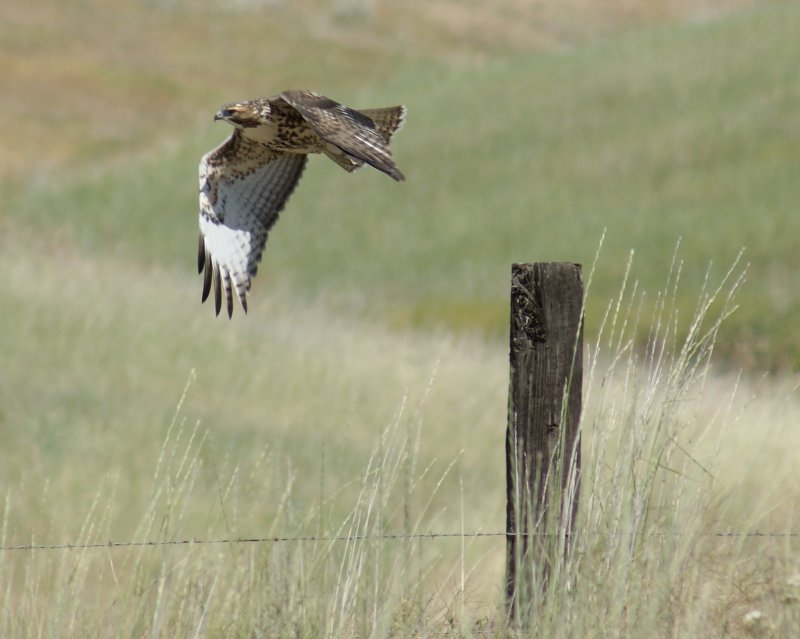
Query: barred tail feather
{"x":388,"y":120}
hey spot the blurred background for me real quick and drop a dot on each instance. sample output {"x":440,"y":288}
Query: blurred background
{"x":668,"y":130}
{"x":533,"y":127}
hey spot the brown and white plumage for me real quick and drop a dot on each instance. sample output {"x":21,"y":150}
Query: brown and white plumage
{"x":246,"y":181}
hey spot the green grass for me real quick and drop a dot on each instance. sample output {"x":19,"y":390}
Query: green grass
{"x":659,"y":135}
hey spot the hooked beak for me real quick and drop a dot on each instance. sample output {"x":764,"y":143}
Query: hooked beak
{"x":220,"y":115}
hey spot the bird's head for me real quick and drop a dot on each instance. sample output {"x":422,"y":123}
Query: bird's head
{"x":244,"y":114}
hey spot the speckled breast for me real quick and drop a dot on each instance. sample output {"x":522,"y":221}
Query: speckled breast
{"x":292,"y":133}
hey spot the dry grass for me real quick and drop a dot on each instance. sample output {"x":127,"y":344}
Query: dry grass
{"x":298,"y":423}
{"x":86,"y":82}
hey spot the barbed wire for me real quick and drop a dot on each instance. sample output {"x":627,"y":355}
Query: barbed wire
{"x":355,"y":538}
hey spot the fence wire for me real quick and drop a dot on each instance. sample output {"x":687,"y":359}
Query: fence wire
{"x":355,"y":538}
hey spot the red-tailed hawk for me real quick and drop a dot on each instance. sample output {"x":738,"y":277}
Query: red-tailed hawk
{"x":246,"y":181}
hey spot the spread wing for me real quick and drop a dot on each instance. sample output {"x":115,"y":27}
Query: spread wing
{"x":243,"y":188}
{"x":350,"y":131}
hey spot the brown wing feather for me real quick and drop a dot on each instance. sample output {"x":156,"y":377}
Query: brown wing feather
{"x":350,"y":131}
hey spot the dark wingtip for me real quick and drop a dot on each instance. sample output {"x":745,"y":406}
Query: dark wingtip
{"x":392,"y":171}
{"x":206,"y":283}
{"x":201,"y":255}
{"x":217,"y":295}
{"x":228,"y":294}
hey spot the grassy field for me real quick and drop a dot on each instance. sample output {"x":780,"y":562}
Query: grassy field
{"x":365,"y":393}
{"x":654,"y":135}
{"x":297,"y":422}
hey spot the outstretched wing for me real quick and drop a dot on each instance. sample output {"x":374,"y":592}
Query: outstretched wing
{"x":348,"y":130}
{"x":243,"y":188}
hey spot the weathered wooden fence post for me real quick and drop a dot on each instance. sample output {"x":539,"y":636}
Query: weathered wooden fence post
{"x":542,"y":442}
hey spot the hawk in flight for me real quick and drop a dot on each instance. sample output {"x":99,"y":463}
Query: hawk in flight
{"x":246,"y":181}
